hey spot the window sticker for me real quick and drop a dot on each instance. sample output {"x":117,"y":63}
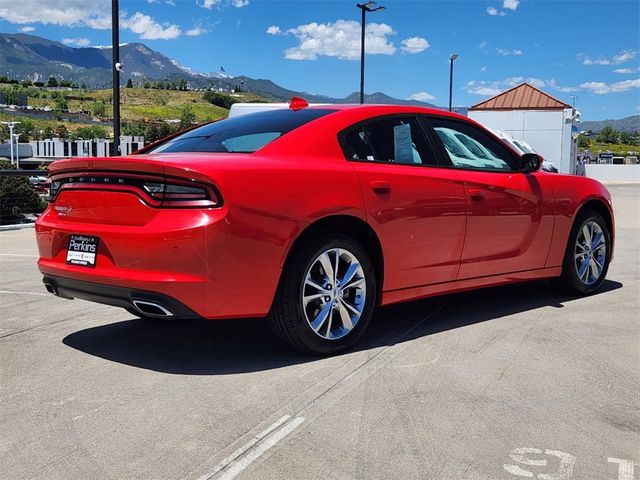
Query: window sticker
{"x":402,"y":143}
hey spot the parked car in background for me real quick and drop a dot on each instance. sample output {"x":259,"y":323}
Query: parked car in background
{"x":523,"y":147}
{"x":315,"y":216}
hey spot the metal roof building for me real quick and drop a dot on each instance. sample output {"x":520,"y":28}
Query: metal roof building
{"x":527,"y":113}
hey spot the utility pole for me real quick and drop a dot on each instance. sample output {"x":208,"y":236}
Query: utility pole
{"x":365,"y":7}
{"x":452,"y":59}
{"x":11,"y":125}
{"x":115,"y":40}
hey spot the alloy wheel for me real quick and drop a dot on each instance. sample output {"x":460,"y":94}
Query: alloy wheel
{"x":590,"y":253}
{"x":334,"y":293}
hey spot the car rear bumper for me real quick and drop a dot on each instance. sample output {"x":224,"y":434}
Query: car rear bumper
{"x":138,"y":302}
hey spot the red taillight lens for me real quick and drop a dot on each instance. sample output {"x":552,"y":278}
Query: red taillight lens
{"x":177,"y":195}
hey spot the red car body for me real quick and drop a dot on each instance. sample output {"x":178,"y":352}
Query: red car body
{"x":431,"y":230}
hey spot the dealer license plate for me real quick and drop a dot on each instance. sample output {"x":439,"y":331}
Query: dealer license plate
{"x":82,"y":250}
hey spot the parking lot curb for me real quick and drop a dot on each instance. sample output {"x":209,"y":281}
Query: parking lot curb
{"x":17,"y":226}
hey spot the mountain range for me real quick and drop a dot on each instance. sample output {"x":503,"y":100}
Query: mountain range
{"x":628,"y":124}
{"x":25,"y":56}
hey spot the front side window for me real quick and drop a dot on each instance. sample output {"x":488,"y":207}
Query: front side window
{"x":470,"y":148}
{"x":391,"y":140}
{"x":243,"y":134}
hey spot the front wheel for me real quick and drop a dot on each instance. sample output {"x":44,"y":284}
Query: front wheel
{"x":326,"y":296}
{"x":587,"y":256}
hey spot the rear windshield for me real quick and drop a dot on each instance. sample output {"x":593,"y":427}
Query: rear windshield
{"x":243,"y":134}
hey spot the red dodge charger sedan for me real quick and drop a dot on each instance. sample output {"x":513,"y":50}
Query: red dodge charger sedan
{"x":314,"y":216}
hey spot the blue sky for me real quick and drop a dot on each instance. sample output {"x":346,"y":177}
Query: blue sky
{"x":584,"y":48}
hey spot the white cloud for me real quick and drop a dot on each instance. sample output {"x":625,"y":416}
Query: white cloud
{"x":80,"y":42}
{"x":626,"y":70}
{"x":511,"y":4}
{"x":91,"y":13}
{"x":196,"y":31}
{"x":240,"y":3}
{"x":148,"y":29}
{"x":340,"y":39}
{"x":600,"y":88}
{"x":209,"y":4}
{"x":422,"y":97}
{"x":414,"y":45}
{"x":483,"y":44}
{"x":88,"y":13}
{"x":494,"y":12}
{"x":622,"y":57}
{"x":485,"y":88}
{"x":274,"y":30}
{"x":483,"y":69}
{"x":505,"y":51}
{"x":26,"y":29}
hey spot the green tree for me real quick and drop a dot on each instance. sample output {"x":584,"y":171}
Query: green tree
{"x":583,"y":141}
{"x":61,"y":103}
{"x":146,"y":84}
{"x":27,"y":83}
{"x":26,"y":129}
{"x":83,"y":86}
{"x":52,"y":82}
{"x":17,"y":196}
{"x":129,"y":84}
{"x":626,"y":138}
{"x":607,"y":135}
{"x":98,"y":108}
{"x":38,"y":84}
{"x":224,"y":101}
{"x":61,"y":131}
{"x":88,"y":133}
{"x":187,"y":117}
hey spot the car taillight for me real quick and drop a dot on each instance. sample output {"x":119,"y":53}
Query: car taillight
{"x":178,"y":195}
{"x":174,"y":193}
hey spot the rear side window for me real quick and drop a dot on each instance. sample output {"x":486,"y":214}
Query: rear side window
{"x":243,"y":134}
{"x":392,"y":140}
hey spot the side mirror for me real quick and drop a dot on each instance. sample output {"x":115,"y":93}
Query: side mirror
{"x":530,"y":162}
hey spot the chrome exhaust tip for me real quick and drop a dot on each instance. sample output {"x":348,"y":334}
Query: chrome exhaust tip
{"x":151,"y":309}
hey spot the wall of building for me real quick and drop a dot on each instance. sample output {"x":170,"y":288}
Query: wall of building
{"x":613,"y":173}
{"x":545,"y":130}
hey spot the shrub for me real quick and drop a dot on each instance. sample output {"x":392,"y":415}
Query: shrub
{"x":17,"y":196}
{"x":224,"y":101}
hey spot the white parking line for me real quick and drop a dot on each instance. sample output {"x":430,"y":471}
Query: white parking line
{"x":625,"y":468}
{"x":26,"y":293}
{"x":240,"y":451}
{"x":243,"y":463}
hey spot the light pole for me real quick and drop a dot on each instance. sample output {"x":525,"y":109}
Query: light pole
{"x":10,"y":125}
{"x":365,"y":7}
{"x":573,"y":100}
{"x":452,"y":59}
{"x":15,"y":137}
{"x":117,"y":66}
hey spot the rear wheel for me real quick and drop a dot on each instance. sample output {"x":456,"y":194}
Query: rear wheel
{"x":326,"y":296}
{"x":586,"y":259}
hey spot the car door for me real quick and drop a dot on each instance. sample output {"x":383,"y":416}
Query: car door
{"x":417,"y":208}
{"x":510,"y":213}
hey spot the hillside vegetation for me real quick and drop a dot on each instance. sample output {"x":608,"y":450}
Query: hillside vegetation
{"x":141,"y":109}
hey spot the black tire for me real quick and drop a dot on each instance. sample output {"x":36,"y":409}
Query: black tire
{"x":570,"y":280}
{"x":287,"y":317}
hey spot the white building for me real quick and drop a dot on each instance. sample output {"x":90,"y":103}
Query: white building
{"x":529,"y":114}
{"x":60,"y":148}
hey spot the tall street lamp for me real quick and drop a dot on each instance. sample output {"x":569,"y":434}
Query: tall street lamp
{"x":365,"y":7}
{"x":452,"y":59}
{"x":117,"y":66}
{"x":10,"y":125}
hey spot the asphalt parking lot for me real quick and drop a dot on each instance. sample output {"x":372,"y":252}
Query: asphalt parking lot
{"x":504,"y":383}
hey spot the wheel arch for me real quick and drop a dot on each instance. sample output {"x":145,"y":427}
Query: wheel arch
{"x":349,"y":225}
{"x":602,"y":207}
